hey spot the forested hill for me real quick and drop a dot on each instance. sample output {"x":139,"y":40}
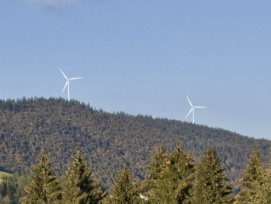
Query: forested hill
{"x":109,"y":141}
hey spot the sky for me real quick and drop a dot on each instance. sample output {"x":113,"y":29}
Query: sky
{"x":144,"y":56}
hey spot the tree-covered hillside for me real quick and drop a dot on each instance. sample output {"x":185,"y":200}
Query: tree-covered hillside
{"x":110,"y":141}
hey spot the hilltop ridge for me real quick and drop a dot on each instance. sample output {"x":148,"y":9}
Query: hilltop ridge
{"x":110,"y":141}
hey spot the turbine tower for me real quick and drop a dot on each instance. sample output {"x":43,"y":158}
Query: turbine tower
{"x":67,"y":84}
{"x":192,"y":109}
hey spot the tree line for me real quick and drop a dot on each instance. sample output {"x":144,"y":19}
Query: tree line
{"x":171,"y":178}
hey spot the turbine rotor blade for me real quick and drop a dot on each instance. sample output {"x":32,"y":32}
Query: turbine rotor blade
{"x":75,"y":78}
{"x":189,"y":113}
{"x":189,"y":101}
{"x":200,"y":107}
{"x":63,"y":74}
{"x":66,"y":84}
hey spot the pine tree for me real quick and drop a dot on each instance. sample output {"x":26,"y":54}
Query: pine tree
{"x":43,"y":186}
{"x":211,"y":184}
{"x":125,"y":190}
{"x":253,"y":181}
{"x":173,"y":177}
{"x":79,"y":187}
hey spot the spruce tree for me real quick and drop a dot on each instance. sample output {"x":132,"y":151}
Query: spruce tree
{"x":265,"y":188}
{"x":173,"y":179}
{"x":154,"y":169}
{"x":79,"y":187}
{"x":253,"y":181}
{"x":43,"y":186}
{"x":125,"y":189}
{"x":211,"y":184}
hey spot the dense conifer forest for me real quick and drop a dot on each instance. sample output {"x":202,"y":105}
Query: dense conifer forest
{"x":171,"y":178}
{"x":109,"y":141}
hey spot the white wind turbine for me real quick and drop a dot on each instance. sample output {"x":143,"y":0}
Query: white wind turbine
{"x":67,"y":84}
{"x":192,"y":109}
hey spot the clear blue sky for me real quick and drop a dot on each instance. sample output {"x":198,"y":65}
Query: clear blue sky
{"x":144,"y":56}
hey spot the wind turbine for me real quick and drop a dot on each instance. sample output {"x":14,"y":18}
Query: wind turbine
{"x":67,"y":84}
{"x":192,"y":109}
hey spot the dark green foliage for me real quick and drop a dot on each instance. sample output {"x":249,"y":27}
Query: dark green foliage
{"x":110,"y":141}
{"x":211,"y":184}
{"x":125,"y":190}
{"x":265,"y":188}
{"x":11,"y":189}
{"x":171,"y":177}
{"x":154,"y":168}
{"x":43,"y":186}
{"x":79,"y":187}
{"x":254,"y":183}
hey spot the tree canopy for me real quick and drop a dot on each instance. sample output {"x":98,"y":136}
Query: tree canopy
{"x":110,"y":141}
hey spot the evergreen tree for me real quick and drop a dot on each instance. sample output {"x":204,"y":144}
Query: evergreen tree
{"x":253,"y":181}
{"x":211,"y":184}
{"x":154,"y":169}
{"x":265,"y":188}
{"x":11,"y":189}
{"x":79,"y":186}
{"x":43,"y":186}
{"x":124,"y":190}
{"x":173,"y":179}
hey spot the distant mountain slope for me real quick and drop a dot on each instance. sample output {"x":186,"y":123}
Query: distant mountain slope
{"x":109,"y":141}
